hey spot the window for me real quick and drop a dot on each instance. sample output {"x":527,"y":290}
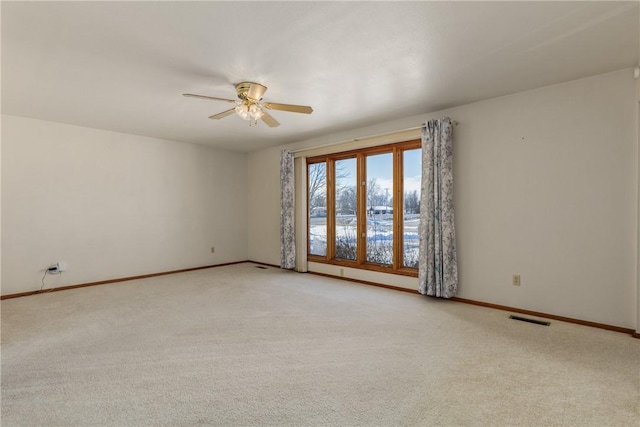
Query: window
{"x":346,"y":210}
{"x":317,"y":191}
{"x":364,"y":208}
{"x":411,"y":179}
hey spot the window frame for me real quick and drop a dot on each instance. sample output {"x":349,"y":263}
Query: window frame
{"x":397,"y":149}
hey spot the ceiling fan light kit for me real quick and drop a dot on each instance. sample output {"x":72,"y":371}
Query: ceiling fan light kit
{"x":250,"y":106}
{"x":249,"y":112}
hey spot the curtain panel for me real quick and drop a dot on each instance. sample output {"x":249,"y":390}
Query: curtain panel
{"x":287,"y":211}
{"x":438,"y":261}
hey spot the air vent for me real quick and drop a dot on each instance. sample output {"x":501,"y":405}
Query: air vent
{"x":261,"y":267}
{"x":524,"y":319}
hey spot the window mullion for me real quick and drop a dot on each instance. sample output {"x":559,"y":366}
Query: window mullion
{"x":331,"y":209}
{"x":362,"y":209}
{"x":396,"y":209}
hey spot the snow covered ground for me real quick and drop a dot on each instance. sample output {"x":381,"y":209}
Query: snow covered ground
{"x":379,"y":238}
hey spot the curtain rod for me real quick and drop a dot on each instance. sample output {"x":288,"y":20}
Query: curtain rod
{"x":377,"y":135}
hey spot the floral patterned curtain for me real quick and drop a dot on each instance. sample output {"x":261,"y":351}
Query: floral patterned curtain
{"x":287,"y":211}
{"x":438,"y":262}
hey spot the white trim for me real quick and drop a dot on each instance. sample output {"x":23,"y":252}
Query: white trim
{"x":300,"y":170}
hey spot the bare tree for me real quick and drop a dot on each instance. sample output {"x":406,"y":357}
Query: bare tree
{"x":317,"y":182}
{"x":373,"y":190}
{"x":411,"y":202}
{"x":346,"y":200}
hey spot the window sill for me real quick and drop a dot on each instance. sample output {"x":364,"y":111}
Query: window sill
{"x":404,"y":271}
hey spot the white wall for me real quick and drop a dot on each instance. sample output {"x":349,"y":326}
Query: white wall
{"x":114,"y":205}
{"x":0,"y":204}
{"x":546,"y":187}
{"x":638,"y":224}
{"x":0,"y":160}
{"x":263,"y":199}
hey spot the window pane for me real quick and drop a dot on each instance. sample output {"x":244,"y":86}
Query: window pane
{"x":380,"y":208}
{"x":346,"y":209}
{"x":317,"y":181}
{"x":412,"y":173}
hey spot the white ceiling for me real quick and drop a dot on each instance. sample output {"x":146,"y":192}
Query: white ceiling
{"x":123,"y":66}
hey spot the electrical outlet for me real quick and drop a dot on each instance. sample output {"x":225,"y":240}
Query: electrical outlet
{"x":213,"y":249}
{"x":516,"y":280}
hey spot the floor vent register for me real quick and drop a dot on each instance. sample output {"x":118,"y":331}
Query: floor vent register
{"x":524,"y":319}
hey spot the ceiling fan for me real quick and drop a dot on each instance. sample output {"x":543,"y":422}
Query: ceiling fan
{"x":250,"y":107}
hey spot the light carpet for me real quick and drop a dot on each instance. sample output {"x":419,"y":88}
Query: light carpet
{"x":242,"y":346}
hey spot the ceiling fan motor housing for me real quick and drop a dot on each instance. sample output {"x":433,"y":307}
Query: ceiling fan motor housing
{"x":250,"y":91}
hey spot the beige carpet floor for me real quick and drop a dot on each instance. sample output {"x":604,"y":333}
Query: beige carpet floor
{"x":243,"y":346}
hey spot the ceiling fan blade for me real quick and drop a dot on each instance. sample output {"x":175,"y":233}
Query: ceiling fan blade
{"x":288,"y":107}
{"x":191,"y":95}
{"x":223,"y":114}
{"x":269,"y":120}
